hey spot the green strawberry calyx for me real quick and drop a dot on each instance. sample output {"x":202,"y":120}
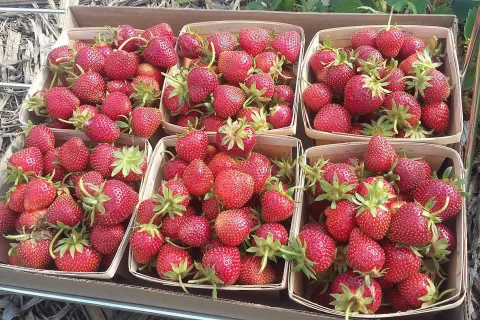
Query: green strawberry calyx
{"x":351,"y":302}
{"x":359,"y":169}
{"x":371,"y":66}
{"x":417,"y":132}
{"x":326,"y":44}
{"x":255,"y":96}
{"x":74,"y":242}
{"x":432,"y":216}
{"x":206,"y":274}
{"x":376,"y":198}
{"x":341,"y":57}
{"x":169,"y":203}
{"x":16,"y":175}
{"x":458,"y":183}
{"x":268,"y":249}
{"x":433,"y":295}
{"x":128,"y":160}
{"x":335,"y":192}
{"x":297,"y":251}
{"x":145,"y":95}
{"x":424,"y":61}
{"x":382,"y":126}
{"x":286,"y":167}
{"x":260,"y":123}
{"x":313,"y":173}
{"x":398,"y":115}
{"x":437,"y":251}
{"x":179,"y":271}
{"x":234,"y":133}
{"x":36,"y":103}
{"x":79,"y":118}
{"x":93,"y":203}
{"x":180,"y":88}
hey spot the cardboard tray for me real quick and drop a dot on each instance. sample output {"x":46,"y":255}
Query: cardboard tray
{"x":341,"y":37}
{"x":456,"y":269}
{"x":269,"y":145}
{"x":61,"y":137}
{"x":206,"y":28}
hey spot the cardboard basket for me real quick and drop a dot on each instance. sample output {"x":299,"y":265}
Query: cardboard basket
{"x":271,"y":146}
{"x":436,"y":156}
{"x":341,"y":37}
{"x":60,"y":138}
{"x":206,"y":28}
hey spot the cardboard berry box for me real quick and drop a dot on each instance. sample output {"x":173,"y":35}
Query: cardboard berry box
{"x":269,"y":145}
{"x":340,"y":37}
{"x":437,"y":157}
{"x":60,"y":138}
{"x":234,"y":26}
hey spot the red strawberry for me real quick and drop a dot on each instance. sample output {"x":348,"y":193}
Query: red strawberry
{"x":8,"y":218}
{"x":220,"y":162}
{"x":116,"y":105}
{"x":212,"y":123}
{"x":39,"y":194}
{"x":400,"y":262}
{"x":421,"y":59}
{"x":315,"y":226}
{"x":432,"y":85}
{"x":107,"y":239}
{"x":102,"y":158}
{"x":364,"y":37}
{"x":396,"y":301}
{"x":248,"y":113}
{"x":74,"y":255}
{"x":410,"y":226}
{"x":267,"y":61}
{"x":259,"y":88}
{"x":58,"y":58}
{"x":316,"y":96}
{"x":160,"y":52}
{"x":390,"y":40}
{"x":232,"y":227}
{"x":287,"y":44}
{"x":410,"y":173}
{"x":33,"y":250}
{"x":175,"y":167}
{"x":341,"y":220}
{"x":64,"y":210}
{"x":174,"y":263}
{"x":235,"y":66}
{"x":250,"y":273}
{"x":445,"y":233}
{"x":122,"y":86}
{"x":26,"y":162}
{"x":40,"y":137}
{"x":253,"y":40}
{"x":148,"y":70}
{"x":120,"y":65}
{"x":145,"y":242}
{"x":73,"y":154}
{"x":211,"y":152}
{"x":339,"y":73}
{"x":278,"y":232}
{"x":171,"y":225}
{"x":320,"y":60}
{"x":201,"y":83}
{"x":436,"y":116}
{"x":122,"y":34}
{"x":162,"y":30}
{"x":363,"y":94}
{"x":145,"y":121}
{"x":227,"y":100}
{"x":189,"y":45}
{"x":277,"y":203}
{"x":86,"y":181}
{"x":284,"y":94}
{"x":130,"y":164}
{"x":192,"y":145}
{"x":236,"y":138}
{"x":256,"y":166}
{"x":411,"y":45}
{"x":146,"y":212}
{"x":379,"y":156}
{"x":198,"y":178}
{"x":29,"y":220}
{"x":103,"y":48}
{"x":61,"y":102}
{"x":89,"y":87}
{"x":221,"y":42}
{"x":101,"y":128}
{"x":233,"y":188}
{"x":323,"y":119}
{"x":211,"y":208}
{"x":175,"y":97}
{"x":338,"y":182}
{"x":396,"y":81}
{"x":364,"y":254}
{"x":402,"y":109}
{"x":15,"y":197}
{"x":194,"y":231}
{"x":90,"y":59}
{"x":365,"y":55}
{"x":419,"y":291}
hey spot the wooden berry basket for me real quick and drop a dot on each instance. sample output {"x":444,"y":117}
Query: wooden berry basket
{"x":341,"y":37}
{"x":206,"y":28}
{"x":60,"y":138}
{"x":271,"y":146}
{"x":456,"y":272}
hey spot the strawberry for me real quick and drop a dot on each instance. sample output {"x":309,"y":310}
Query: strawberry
{"x":227,"y":100}
{"x":364,"y":37}
{"x":90,"y":59}
{"x":101,"y":128}
{"x":201,"y":83}
{"x":432,"y":85}
{"x":410,"y":174}
{"x":236,"y":138}
{"x":145,"y":121}
{"x":8,"y":218}
{"x":145,"y":242}
{"x":267,"y":62}
{"x":194,"y":231}
{"x":174,"y":263}
{"x":288,"y":45}
{"x":421,"y":60}
{"x":233,"y":188}
{"x":248,"y":113}
{"x":89,"y":87}
{"x":277,"y":203}
{"x":161,"y":53}
{"x":146,"y":212}
{"x":444,"y":192}
{"x":73,"y":154}
{"x":390,"y":40}
{"x":120,"y":65}
{"x":411,"y":225}
{"x":171,"y":225}
{"x":162,"y":30}
{"x":257,"y":166}
{"x":283,"y":94}
{"x":104,"y":49}
{"x":259,"y":88}
{"x":323,"y":119}
{"x":316,"y":96}
{"x":111,"y":203}
{"x":339,"y":73}
{"x":211,"y":152}
{"x":232,"y":227}
{"x":220,"y":265}
{"x":130,"y":164}
{"x":211,"y":243}
{"x":341,"y":220}
{"x":366,"y":55}
{"x":33,"y":250}
{"x":39,"y":194}
{"x":253,"y":40}
{"x":85,"y":181}
{"x":221,"y":42}
{"x":81,"y":115}
{"x":175,"y":167}
{"x":396,"y":80}
{"x":352,"y":294}
{"x":106,"y":239}
{"x":402,"y":109}
{"x":400,"y":262}
{"x":102,"y":158}
{"x":32,"y":219}
{"x":61,"y":102}
{"x":122,"y":86}
{"x":445,"y":233}
{"x":379,"y":156}
{"x":220,"y":162}
{"x":384,"y":189}
{"x":211,"y":208}
{"x":64,"y":210}
{"x":146,"y":91}
{"x":74,"y":254}
{"x":40,"y":137}
{"x":23,"y":164}
{"x":411,"y":45}
{"x":365,"y":255}
{"x":148,"y":70}
{"x":12,"y":255}
{"x":122,"y":33}
{"x":58,"y":58}
{"x":419,"y":291}
{"x":320,"y":59}
{"x":364,"y":94}
{"x":192,"y":145}
{"x":250,"y":273}
{"x":395,"y":300}
{"x":436,"y":116}
{"x":235,"y":66}
{"x":15,"y":197}
{"x":198,"y":178}
{"x":116,"y":105}
{"x":278,"y":232}
{"x":338,"y":182}
{"x":189,"y":45}
{"x":212,"y":123}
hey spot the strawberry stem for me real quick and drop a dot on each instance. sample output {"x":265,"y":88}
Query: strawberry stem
{"x":159,"y":213}
{"x":132,"y":38}
{"x":50,"y":247}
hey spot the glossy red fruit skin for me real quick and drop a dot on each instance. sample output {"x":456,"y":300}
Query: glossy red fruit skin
{"x":337,"y":77}
{"x":189,"y":46}
{"x":39,"y":194}
{"x":413,"y":288}
{"x":8,"y":218}
{"x":161,"y":53}
{"x":74,"y":154}
{"x":258,"y":167}
{"x":145,"y":212}
{"x":401,"y":98}
{"x":192,"y":146}
{"x":235,"y":66}
{"x":125,"y":32}
{"x":409,"y":226}
{"x":29,"y":159}
{"x":90,"y":88}
{"x":250,"y":272}
{"x":121,"y":204}
{"x":222,"y":41}
{"x":175,"y":167}
{"x":400,"y":262}
{"x":315,"y":226}
{"x":232,"y":227}
{"x":102,"y":158}
{"x":280,"y":116}
{"x":198,"y":178}
{"x":145,"y":247}
{"x":411,"y":45}
{"x":379,"y":156}
{"x":122,"y":86}
{"x":234,"y":188}
{"x":287,"y":44}
{"x":395,"y":81}
{"x":253,"y":40}
{"x":284,"y":94}
{"x":439,"y":89}
{"x":316,"y":96}
{"x":227,"y":100}
{"x":396,"y":301}
{"x":90,"y":59}
{"x":364,"y":37}
{"x":220,"y":162}
{"x":34,"y":254}
{"x":364,"y":254}
{"x":101,"y":128}
{"x":106,"y":239}
{"x":116,"y":105}
{"x":226,"y":261}
{"x":411,"y":174}
{"x":86,"y":261}
{"x":249,"y":143}
{"x":163,"y":30}
{"x":436,"y":116}
{"x":61,"y":102}
{"x":341,"y":220}
{"x":194,"y":231}
{"x":364,"y":53}
{"x":42,"y":138}
{"x":439,"y":191}
{"x":16,"y":198}
{"x":320,"y":59}
{"x":120,"y":65}
{"x":145,"y":121}
{"x":201,"y":83}
{"x":168,"y":255}
{"x":320,"y":249}
{"x":332,"y":118}
{"x":445,"y":233}
{"x":65,"y":210}
{"x":389,"y":42}
{"x":344,"y":174}
{"x":277,"y":230}
{"x":359,"y":99}
{"x":30,"y":219}
{"x":261,"y":81}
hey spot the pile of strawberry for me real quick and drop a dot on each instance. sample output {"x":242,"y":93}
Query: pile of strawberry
{"x":220,"y":214}
{"x":249,"y":75}
{"x":384,"y":231}
{"x":111,"y":86}
{"x":69,"y":206}
{"x":382,"y":83}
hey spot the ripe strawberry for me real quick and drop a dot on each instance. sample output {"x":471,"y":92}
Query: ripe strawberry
{"x":220,"y":162}
{"x":402,"y":109}
{"x":395,"y":300}
{"x":90,"y":59}
{"x":58,"y":58}
{"x":194,"y":231}
{"x":253,"y":40}
{"x":400,"y":262}
{"x":278,"y":232}
{"x":233,"y":188}
{"x":162,"y":30}
{"x":173,"y":198}
{"x":436,"y":116}
{"x":339,"y":73}
{"x":122,"y":86}
{"x":130,"y":164}
{"x":33,"y":250}
{"x":445,"y":233}
{"x":267,"y":61}
{"x":64,"y":210}
{"x":23,"y":164}
{"x":221,"y":42}
{"x":251,"y":274}
{"x":227,"y":100}
{"x":103,"y":48}
{"x":75,"y":255}
{"x":364,"y":56}
{"x":277,"y":203}
{"x":39,"y":194}
{"x":198,"y":178}
{"x":320,"y":60}
{"x":30,"y":220}
{"x":288,"y":45}
{"x":337,"y":182}
{"x":15,"y":197}
{"x":259,"y":87}
{"x":106,"y":239}
{"x":87,"y":179}
{"x":379,"y":156}
{"x":171,"y":225}
{"x":145,"y":121}
{"x":122,"y":33}
{"x":232,"y":227}
{"x":116,"y":105}
{"x":61,"y":102}
{"x":201,"y":83}
{"x":411,"y":45}
{"x":189,"y":45}
{"x":101,"y":128}
{"x":284,"y":94}
{"x":73,"y":154}
{"x":364,"y":254}
{"x":410,"y":227}
{"x":390,"y":40}
{"x":341,"y":220}
{"x":432,"y":85}
{"x":364,"y":37}
{"x":211,"y":152}
{"x":235,"y":66}
{"x":40,"y":137}
{"x":146,"y":91}
{"x":145,"y":242}
{"x":396,"y":80}
{"x":363,"y":94}
{"x":212,"y":123}
{"x":8,"y":218}
{"x":175,"y":167}
{"x":236,"y":138}
{"x":192,"y":145}
{"x":174,"y":263}
{"x":89,"y":87}
{"x":120,"y":65}
{"x":148,"y":70}
{"x":323,"y":119}
{"x":421,"y":60}
{"x":160,"y":52}
{"x":410,"y":173}
{"x":146,"y":212}
{"x":257,"y":166}
{"x":316,"y":96}
{"x":419,"y":291}
{"x":248,"y":113}
{"x":102,"y":158}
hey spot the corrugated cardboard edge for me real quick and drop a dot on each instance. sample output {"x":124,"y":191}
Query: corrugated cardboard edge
{"x":415,"y":149}
{"x":152,"y":174}
{"x":235,"y":26}
{"x":63,"y":135}
{"x":420,"y":31}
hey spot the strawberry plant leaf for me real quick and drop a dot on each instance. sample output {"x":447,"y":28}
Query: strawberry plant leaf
{"x":443,"y":10}
{"x":313,"y":6}
{"x":398,"y":5}
{"x":461,"y":8}
{"x":467,"y":30}
{"x":257,"y":6}
{"x":469,"y":79}
{"x":347,"y":6}
{"x":418,"y":6}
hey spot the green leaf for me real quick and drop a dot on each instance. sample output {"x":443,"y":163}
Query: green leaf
{"x":398,"y":5}
{"x":467,"y":30}
{"x":256,"y":6}
{"x":347,"y":6}
{"x":443,"y":10}
{"x":418,"y":6}
{"x":469,"y":79}
{"x":462,"y":7}
{"x":276,"y":4}
{"x":313,"y":6}
{"x":286,"y":5}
